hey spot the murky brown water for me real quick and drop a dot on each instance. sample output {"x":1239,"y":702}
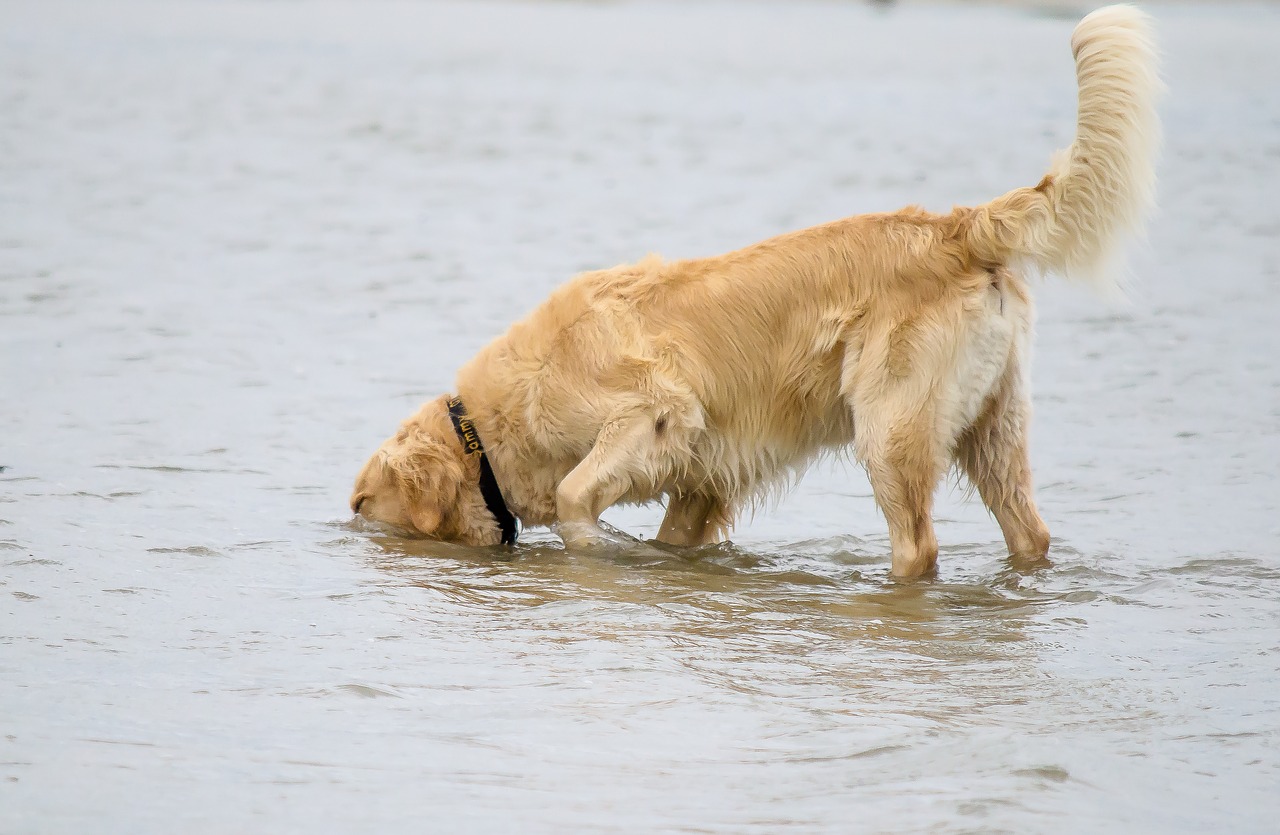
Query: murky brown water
{"x":239,"y":241}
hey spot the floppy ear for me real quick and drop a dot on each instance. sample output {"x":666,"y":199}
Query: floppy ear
{"x":430,"y":480}
{"x":425,"y":514}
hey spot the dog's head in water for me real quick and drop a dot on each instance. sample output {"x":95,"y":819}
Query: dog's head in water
{"x":421,"y":481}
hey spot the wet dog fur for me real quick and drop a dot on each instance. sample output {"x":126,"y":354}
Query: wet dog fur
{"x":901,"y":336}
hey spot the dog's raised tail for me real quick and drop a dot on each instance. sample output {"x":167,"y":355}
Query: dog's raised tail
{"x":1102,"y":186}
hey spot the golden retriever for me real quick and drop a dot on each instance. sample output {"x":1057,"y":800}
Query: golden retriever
{"x":711,"y":381}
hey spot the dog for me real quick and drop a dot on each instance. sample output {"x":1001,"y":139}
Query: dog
{"x":713,"y":381}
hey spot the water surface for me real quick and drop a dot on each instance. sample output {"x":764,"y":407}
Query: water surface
{"x":240,"y":241}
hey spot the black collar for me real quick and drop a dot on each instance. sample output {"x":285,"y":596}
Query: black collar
{"x":488,"y":484}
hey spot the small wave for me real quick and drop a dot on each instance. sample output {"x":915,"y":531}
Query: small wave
{"x":172,"y":468}
{"x":193,"y":550}
{"x":1246,"y":567}
{"x":368,"y":691}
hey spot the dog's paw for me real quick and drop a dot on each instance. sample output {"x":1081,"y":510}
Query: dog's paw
{"x":608,"y":543}
{"x":583,"y":536}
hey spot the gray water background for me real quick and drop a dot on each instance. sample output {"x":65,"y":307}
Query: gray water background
{"x":240,"y":241}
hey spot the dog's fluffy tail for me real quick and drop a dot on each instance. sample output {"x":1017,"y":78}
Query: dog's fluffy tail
{"x":1102,"y":186}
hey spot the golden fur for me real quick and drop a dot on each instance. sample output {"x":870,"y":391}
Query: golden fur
{"x":711,"y":381}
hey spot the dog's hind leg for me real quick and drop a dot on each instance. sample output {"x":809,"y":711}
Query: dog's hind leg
{"x":993,"y":454}
{"x":622,"y":458}
{"x":892,"y":393}
{"x":693,"y":519}
{"x":903,"y":468}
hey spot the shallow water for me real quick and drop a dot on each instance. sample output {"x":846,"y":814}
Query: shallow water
{"x":240,"y":241}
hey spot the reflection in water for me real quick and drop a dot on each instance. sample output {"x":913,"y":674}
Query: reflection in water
{"x":825,"y":611}
{"x":826,"y":672}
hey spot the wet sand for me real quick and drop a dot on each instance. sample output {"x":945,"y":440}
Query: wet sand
{"x":241,"y":241}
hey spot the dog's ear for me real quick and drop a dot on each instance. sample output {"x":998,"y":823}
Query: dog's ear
{"x":430,"y":479}
{"x":425,"y":515}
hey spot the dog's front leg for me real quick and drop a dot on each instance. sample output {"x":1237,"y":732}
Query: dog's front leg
{"x":692,"y":519}
{"x":622,"y":452}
